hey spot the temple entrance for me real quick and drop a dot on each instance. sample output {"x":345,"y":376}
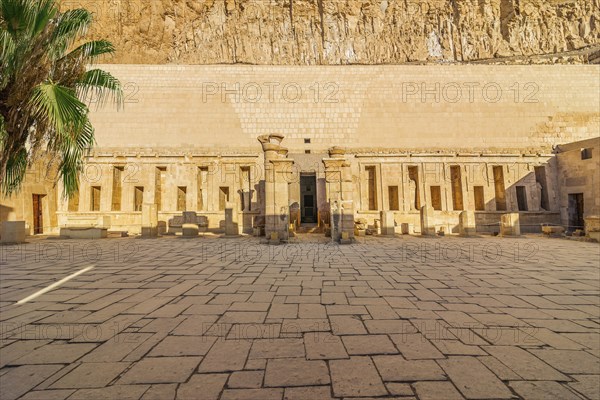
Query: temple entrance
{"x":575,"y":211}
{"x":38,"y":215}
{"x":308,"y":198}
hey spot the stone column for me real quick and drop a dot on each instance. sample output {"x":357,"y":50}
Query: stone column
{"x":427,"y":223}
{"x":387,"y":223}
{"x":466,"y":223}
{"x":339,"y":192}
{"x":149,"y":220}
{"x":510,"y":225}
{"x":231,"y":220}
{"x":278,"y":172}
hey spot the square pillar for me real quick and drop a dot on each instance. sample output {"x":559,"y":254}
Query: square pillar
{"x":339,"y":191}
{"x":510,"y":225}
{"x":466,"y":224}
{"x":278,"y":174}
{"x":427,"y":223}
{"x":149,"y":220}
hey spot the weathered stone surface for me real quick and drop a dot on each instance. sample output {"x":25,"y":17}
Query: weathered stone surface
{"x":355,"y":377}
{"x":226,"y":355}
{"x":543,"y":390}
{"x":90,"y":375}
{"x":340,"y":32}
{"x":437,"y":391}
{"x":296,"y":372}
{"x":473,"y":379}
{"x":160,"y":370}
{"x":397,"y":369}
{"x":209,"y":385}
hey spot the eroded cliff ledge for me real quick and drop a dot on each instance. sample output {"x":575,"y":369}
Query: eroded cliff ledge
{"x":307,"y":32}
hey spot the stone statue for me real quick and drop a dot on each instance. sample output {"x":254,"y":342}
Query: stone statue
{"x":538,"y":198}
{"x":412,"y":194}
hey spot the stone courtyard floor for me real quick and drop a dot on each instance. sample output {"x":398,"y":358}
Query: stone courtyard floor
{"x":210,"y":318}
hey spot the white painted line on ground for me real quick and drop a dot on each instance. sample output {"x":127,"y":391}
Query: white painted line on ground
{"x":54,"y":285}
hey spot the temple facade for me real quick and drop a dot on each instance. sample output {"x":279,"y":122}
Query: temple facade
{"x":302,"y":146}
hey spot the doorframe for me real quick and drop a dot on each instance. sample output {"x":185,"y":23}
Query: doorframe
{"x":38,"y":213}
{"x":313,"y":176}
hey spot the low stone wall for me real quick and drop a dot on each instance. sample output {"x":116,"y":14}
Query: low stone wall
{"x":530,"y":221}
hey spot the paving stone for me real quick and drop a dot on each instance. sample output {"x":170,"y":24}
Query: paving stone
{"x":525,"y":364}
{"x":314,"y":311}
{"x":296,"y":372}
{"x":280,"y":311}
{"x":209,"y":386}
{"x":399,"y":389}
{"x":243,"y":317}
{"x":308,"y":392}
{"x":457,"y":348}
{"x":356,"y":377}
{"x":160,"y":370}
{"x":161,"y":392}
{"x":246,"y":379}
{"x":369,"y":344}
{"x":347,"y":325}
{"x":56,"y":354}
{"x":530,"y":312}
{"x":256,"y":363}
{"x":226,"y":355}
{"x":90,"y":375}
{"x":415,"y":346}
{"x":333,"y":298}
{"x":264,"y":297}
{"x":194,"y":325}
{"x":249,"y":307}
{"x":382,"y":312}
{"x":295,"y":327}
{"x":174,"y":346}
{"x":397,"y":369}
{"x":323,"y":346}
{"x":389,"y":326}
{"x":252,"y":394}
{"x":587,"y":385}
{"x":254,"y":331}
{"x":277,"y":348}
{"x":543,"y":390}
{"x":437,"y":391}
{"x":18,"y":381}
{"x":163,"y":325}
{"x":18,"y":349}
{"x":47,"y":394}
{"x":169,"y":311}
{"x":570,"y":361}
{"x":499,"y":369}
{"x":121,"y":392}
{"x":473,"y":379}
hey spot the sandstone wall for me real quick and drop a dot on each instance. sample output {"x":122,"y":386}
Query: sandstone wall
{"x":387,"y":108}
{"x":577,"y":174}
{"x":299,"y":32}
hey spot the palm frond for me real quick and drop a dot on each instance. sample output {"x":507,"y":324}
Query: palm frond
{"x":92,"y":50}
{"x":14,"y":175}
{"x":102,"y":84}
{"x":60,"y":106}
{"x":70,"y":25}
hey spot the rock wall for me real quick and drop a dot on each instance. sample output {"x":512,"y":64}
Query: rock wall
{"x":300,"y":32}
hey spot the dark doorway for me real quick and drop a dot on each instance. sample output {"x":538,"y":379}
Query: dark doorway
{"x":575,"y":211}
{"x":308,"y":199}
{"x":38,"y":215}
{"x":521,"y":198}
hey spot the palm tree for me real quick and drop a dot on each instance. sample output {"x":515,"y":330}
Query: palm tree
{"x":45,"y":80}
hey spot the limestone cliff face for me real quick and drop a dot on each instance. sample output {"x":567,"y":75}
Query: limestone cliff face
{"x":301,"y":32}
